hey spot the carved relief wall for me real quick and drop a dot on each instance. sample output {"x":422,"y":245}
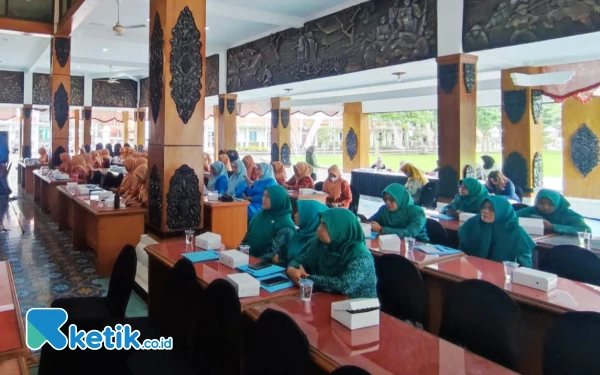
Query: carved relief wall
{"x":41,"y":89}
{"x":212,"y":75}
{"x":370,"y":35}
{"x":499,"y":23}
{"x":77,"y":86}
{"x":11,"y":87}
{"x":122,"y":94}
{"x":144,"y":93}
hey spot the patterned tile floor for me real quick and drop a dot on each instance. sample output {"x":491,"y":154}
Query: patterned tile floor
{"x":43,"y":261}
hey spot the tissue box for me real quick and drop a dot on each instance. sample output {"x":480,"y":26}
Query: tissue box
{"x":105,"y":195}
{"x":389,"y":242}
{"x":234,"y":258}
{"x":366,"y":227}
{"x":304,"y":191}
{"x":209,"y":241}
{"x":212,"y":197}
{"x":245,"y":285}
{"x":532,"y":226}
{"x":71,"y":185}
{"x":356,"y":313}
{"x":82,"y":189}
{"x":534,"y":279}
{"x":464,"y":216}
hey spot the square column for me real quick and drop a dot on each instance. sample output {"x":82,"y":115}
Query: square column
{"x":457,"y":121}
{"x":176,"y":112}
{"x":125,"y":127}
{"x":140,"y":133}
{"x":225,"y":120}
{"x":280,"y":131}
{"x":87,"y":126}
{"x":522,"y":132}
{"x":60,"y":83}
{"x":77,"y":115}
{"x":216,"y":132}
{"x":355,"y":137}
{"x":26,"y":131}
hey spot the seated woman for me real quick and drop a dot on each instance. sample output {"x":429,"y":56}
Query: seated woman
{"x":218,"y":178}
{"x":496,"y":234}
{"x":126,"y":152}
{"x":308,"y":220}
{"x":141,"y":199}
{"x":251,"y":168}
{"x":415,"y":182}
{"x":135,"y":188}
{"x":399,"y":215}
{"x":270,"y":230}
{"x":88,"y":161}
{"x":489,"y":166}
{"x":225,"y":160}
{"x":553,"y":208}
{"x":338,"y":260}
{"x":233,"y":156}
{"x":237,"y":182}
{"x":279,"y":171}
{"x":338,"y":190}
{"x":256,"y":189}
{"x":127,"y":182}
{"x":43,"y":159}
{"x":80,"y":167}
{"x":379,"y":165}
{"x":99,"y":146}
{"x":97,"y":159}
{"x":499,"y":184}
{"x":105,"y":155}
{"x":301,"y":178}
{"x":470,"y":195}
{"x":65,"y":163}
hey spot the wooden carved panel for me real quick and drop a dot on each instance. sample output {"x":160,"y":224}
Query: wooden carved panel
{"x":156,"y":67}
{"x":212,"y":75}
{"x":517,"y":170}
{"x":144,"y":93}
{"x":447,"y":77}
{"x":274,"y":152}
{"x":77,"y":89}
{"x":62,"y":49}
{"x":584,"y":150}
{"x":155,"y":198}
{"x":370,"y":35}
{"x":351,"y":144}
{"x":11,"y":87}
{"x":122,"y":94}
{"x":41,"y":89}
{"x":538,"y":171}
{"x":183,"y":200}
{"x":61,"y":106}
{"x":515,"y":103}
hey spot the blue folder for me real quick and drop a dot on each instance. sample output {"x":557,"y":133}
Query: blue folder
{"x":441,"y":216}
{"x":372,"y":236}
{"x":441,"y":250}
{"x":202,"y":256}
{"x":278,"y":287}
{"x":263,"y":272}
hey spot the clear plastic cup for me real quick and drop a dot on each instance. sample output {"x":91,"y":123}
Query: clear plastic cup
{"x":189,"y":236}
{"x":509,"y":268}
{"x":409,"y":242}
{"x":245,"y":249}
{"x":306,"y":288}
{"x":585,"y":240}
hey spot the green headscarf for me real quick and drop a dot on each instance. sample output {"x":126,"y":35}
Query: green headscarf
{"x":347,"y":243}
{"x":265,"y":224}
{"x":308,"y":214}
{"x":471,"y":203}
{"x":500,"y":241}
{"x":237,"y":178}
{"x":401,"y":196}
{"x":221,"y":171}
{"x":561,"y":205}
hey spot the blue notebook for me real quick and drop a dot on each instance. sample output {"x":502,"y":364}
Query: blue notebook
{"x":202,"y":256}
{"x":278,"y":287}
{"x":372,"y":236}
{"x":436,"y":250}
{"x":441,"y":216}
{"x":264,"y":272}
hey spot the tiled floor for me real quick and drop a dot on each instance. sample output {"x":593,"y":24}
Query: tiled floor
{"x":43,"y":261}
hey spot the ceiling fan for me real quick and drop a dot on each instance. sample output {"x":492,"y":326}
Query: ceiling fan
{"x":118,"y":28}
{"x":110,"y":79}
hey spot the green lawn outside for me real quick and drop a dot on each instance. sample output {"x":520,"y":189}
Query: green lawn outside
{"x":552,"y":161}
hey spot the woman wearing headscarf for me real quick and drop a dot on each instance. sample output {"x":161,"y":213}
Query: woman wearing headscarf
{"x":127,"y":182}
{"x":43,"y":159}
{"x":251,"y":168}
{"x":256,"y":189}
{"x":97,"y":159}
{"x":301,"y":178}
{"x":399,"y":215}
{"x":79,"y":167}
{"x":338,"y":190}
{"x":207,"y":162}
{"x":118,"y":150}
{"x":125,"y":152}
{"x":88,"y":161}
{"x":105,"y":155}
{"x":218,"y":178}
{"x":109,"y":148}
{"x":237,"y":182}
{"x":87,"y":148}
{"x":337,"y":261}
{"x":489,"y":166}
{"x":99,"y":146}
{"x":233,"y":155}
{"x":416,"y":181}
{"x":279,"y":171}
{"x":311,"y":159}
{"x":470,"y":195}
{"x":270,"y":231}
{"x":379,"y":164}
{"x":495,"y":234}
{"x":553,"y":208}
{"x":141,"y":199}
{"x":134,"y":191}
{"x":225,"y":160}
{"x":308,"y":220}
{"x":65,"y":163}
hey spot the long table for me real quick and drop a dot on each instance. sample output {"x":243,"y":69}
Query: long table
{"x":25,"y":175}
{"x":417,"y":257}
{"x":538,"y":308}
{"x":12,"y":332}
{"x":46,"y":193}
{"x":229,"y":219}
{"x":393,"y":347}
{"x":372,"y":183}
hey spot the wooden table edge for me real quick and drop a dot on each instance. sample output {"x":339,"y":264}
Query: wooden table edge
{"x":126,"y":212}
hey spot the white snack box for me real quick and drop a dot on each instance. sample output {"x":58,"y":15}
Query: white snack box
{"x":245,"y":285}
{"x":106,"y":194}
{"x":464,"y":216}
{"x":71,"y":185}
{"x":233,"y":258}
{"x":532,"y":226}
{"x":534,"y":279}
{"x":304,"y":191}
{"x":366,"y":227}
{"x":209,"y":241}
{"x":212,"y":197}
{"x":348,"y":312}
{"x":389,"y":242}
{"x":82,"y":189}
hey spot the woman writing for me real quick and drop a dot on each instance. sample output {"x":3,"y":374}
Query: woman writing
{"x":80,"y":168}
{"x":495,"y":234}
{"x":65,"y":165}
{"x":251,"y":168}
{"x":499,"y":184}
{"x":470,"y":195}
{"x":416,"y":181}
{"x":237,"y":182}
{"x":337,"y":261}
{"x":127,"y":182}
{"x":218,"y":178}
{"x":399,"y":215}
{"x":553,"y":208}
{"x":256,"y":189}
{"x":279,"y":171}
{"x":270,"y":231}
{"x":301,"y":178}
{"x":338,"y":190}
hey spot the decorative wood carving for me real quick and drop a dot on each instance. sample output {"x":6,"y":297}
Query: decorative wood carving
{"x":351,"y":144}
{"x":142,"y":116}
{"x":42,"y":90}
{"x":212,"y":75}
{"x":447,"y":77}
{"x":285,"y":117}
{"x":77,"y":89}
{"x":538,"y":171}
{"x":27,"y":112}
{"x":186,"y":65}
{"x":516,"y":169}
{"x":156,"y":67}
{"x":87,"y":114}
{"x":584,"y":150}
{"x":285,"y":155}
{"x":155,"y":198}
{"x":61,"y":106}
{"x":448,"y":181}
{"x":536,"y":105}
{"x":274,"y":118}
{"x":469,"y":77}
{"x":123,"y":94}
{"x":469,"y":171}
{"x":221,"y":105}
{"x":183,"y":200}
{"x":514,"y":104}
{"x":11,"y":87}
{"x":62,"y":48}
{"x":370,"y":35}
{"x":274,"y":152}
{"x":230,"y":106}
{"x":144,"y":93}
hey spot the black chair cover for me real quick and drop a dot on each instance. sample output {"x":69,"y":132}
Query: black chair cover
{"x":571,"y":262}
{"x":437,"y":233}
